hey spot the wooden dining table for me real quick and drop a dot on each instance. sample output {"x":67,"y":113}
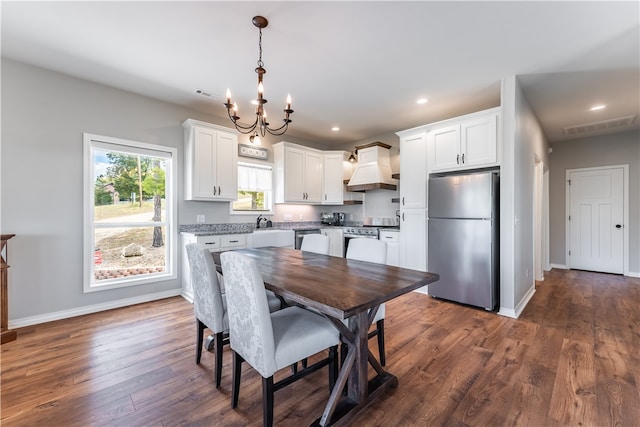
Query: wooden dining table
{"x":348,"y":293}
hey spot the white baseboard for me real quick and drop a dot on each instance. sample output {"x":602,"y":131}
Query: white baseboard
{"x":560,"y":266}
{"x":628,"y":274}
{"x":423,"y":290}
{"x":79,"y":311}
{"x":187,"y":295}
{"x":517,"y":311}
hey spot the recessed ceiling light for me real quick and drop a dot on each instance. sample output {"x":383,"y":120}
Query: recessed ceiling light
{"x":598,"y":107}
{"x":335,"y":128}
{"x":422,"y":101}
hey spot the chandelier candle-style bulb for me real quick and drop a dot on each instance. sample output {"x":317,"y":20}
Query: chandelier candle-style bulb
{"x":261,"y":115}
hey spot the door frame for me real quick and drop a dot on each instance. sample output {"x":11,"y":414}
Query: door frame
{"x":625,"y":212}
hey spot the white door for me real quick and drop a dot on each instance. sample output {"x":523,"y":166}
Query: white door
{"x":596,"y":214}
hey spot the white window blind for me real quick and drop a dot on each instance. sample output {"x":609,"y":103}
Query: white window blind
{"x":254,"y":177}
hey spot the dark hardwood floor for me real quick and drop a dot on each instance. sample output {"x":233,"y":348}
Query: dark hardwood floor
{"x":572,"y":358}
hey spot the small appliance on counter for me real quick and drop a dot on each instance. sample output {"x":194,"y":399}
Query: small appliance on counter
{"x":332,"y":218}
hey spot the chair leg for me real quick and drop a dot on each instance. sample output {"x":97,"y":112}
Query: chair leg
{"x":218,"y":353}
{"x":235,"y":384}
{"x":267,"y":401}
{"x":199,"y":336}
{"x":380,"y":327}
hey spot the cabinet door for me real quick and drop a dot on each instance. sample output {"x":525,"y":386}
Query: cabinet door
{"x":444,"y":152}
{"x":203,"y":173}
{"x":413,"y":239}
{"x":333,"y":182}
{"x":226,"y":167}
{"x":313,"y":177}
{"x":413,"y":171}
{"x":391,"y":238}
{"x":294,"y":181}
{"x":479,"y":142}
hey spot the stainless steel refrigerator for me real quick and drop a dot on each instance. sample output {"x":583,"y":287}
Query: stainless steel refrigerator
{"x":464,"y":237}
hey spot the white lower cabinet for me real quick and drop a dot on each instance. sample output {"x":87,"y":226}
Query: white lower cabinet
{"x":413,"y":239}
{"x":336,"y":240}
{"x":215,"y":243}
{"x":392,"y":239}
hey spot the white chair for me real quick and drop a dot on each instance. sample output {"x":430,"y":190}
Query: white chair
{"x":317,"y":243}
{"x":271,"y":341}
{"x":209,"y":303}
{"x":371,"y":250}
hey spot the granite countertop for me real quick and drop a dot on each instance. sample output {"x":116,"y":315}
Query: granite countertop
{"x":244,"y":228}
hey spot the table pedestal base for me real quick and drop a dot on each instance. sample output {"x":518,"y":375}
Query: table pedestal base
{"x":347,"y":410}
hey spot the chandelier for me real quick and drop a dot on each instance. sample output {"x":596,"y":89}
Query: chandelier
{"x":260,"y":123}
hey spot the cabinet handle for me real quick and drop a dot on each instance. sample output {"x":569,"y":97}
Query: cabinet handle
{"x":463,"y":158}
{"x":233,"y":241}
{"x":210,"y":243}
{"x":403,"y":216}
{"x":219,"y":190}
{"x":458,"y":159}
{"x":214,"y":190}
{"x":403,"y":201}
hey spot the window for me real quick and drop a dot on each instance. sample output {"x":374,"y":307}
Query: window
{"x":130,"y":213}
{"x":254,"y":189}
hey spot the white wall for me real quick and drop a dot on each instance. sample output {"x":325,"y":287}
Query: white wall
{"x":523,"y":141}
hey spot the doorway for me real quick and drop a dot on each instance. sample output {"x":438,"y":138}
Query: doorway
{"x":597,"y":215}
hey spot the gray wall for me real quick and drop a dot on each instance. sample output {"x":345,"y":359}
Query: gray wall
{"x":618,"y":149}
{"x":44,"y":115}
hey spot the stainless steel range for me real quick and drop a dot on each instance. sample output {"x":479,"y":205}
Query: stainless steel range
{"x":369,"y":230}
{"x":357,"y":233}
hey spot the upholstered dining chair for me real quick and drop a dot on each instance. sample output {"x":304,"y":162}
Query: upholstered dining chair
{"x":318,"y":243}
{"x":271,"y":341}
{"x":209,"y":303}
{"x":371,"y":250}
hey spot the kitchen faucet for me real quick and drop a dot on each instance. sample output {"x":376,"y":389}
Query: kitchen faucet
{"x":258,"y":221}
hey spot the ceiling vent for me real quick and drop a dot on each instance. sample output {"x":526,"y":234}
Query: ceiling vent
{"x":620,"y":122}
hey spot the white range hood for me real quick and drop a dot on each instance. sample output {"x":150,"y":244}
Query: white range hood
{"x":373,"y":170}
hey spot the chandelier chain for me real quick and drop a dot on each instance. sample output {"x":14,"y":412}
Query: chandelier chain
{"x":260,"y":63}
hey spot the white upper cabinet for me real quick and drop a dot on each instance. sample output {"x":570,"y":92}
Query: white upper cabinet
{"x":333,"y":187}
{"x":413,"y":171}
{"x":464,"y":143}
{"x":299,"y":173}
{"x":211,"y":162}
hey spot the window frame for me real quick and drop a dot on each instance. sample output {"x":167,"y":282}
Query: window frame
{"x":92,"y":142}
{"x":270,"y":166}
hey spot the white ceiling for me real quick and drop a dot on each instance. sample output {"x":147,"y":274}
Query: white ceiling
{"x":358,"y":65}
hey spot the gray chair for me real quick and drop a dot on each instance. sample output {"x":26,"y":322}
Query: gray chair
{"x":317,"y":243}
{"x":371,"y":250}
{"x":271,"y":341}
{"x":209,"y":303}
